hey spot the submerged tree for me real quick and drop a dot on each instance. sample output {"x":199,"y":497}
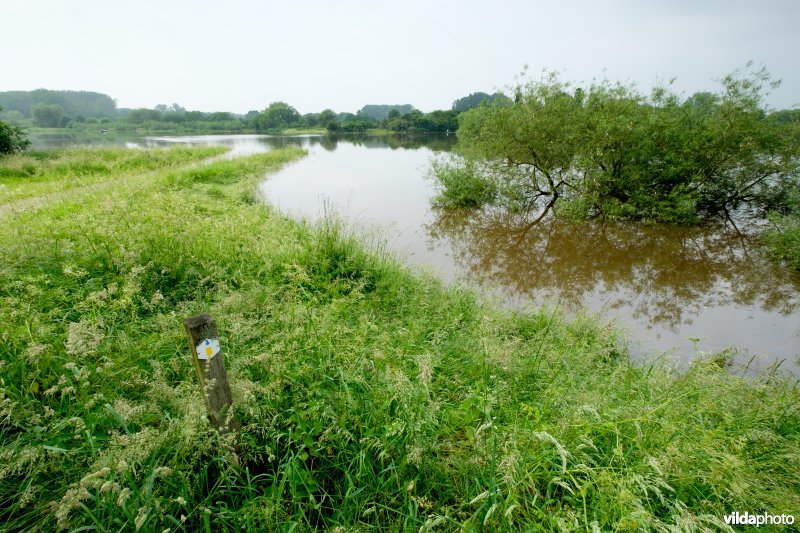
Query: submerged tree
{"x":610,"y":151}
{"x":529,"y":149}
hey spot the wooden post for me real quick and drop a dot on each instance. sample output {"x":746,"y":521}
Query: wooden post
{"x":209,"y":364}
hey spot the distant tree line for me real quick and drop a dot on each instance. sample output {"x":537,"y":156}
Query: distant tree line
{"x":403,"y":118}
{"x":381,"y":112}
{"x":475,"y":99}
{"x":57,"y":108}
{"x":77,"y":109}
{"x":176,"y":118}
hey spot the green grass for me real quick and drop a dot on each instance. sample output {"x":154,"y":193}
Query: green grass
{"x":40,"y":173}
{"x":369,"y":397}
{"x":784,"y":240}
{"x":297,"y":131}
{"x":379,"y":131}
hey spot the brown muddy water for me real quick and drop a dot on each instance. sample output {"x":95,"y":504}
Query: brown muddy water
{"x":676,"y":292}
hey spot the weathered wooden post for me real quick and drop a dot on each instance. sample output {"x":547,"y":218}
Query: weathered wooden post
{"x":209,"y":364}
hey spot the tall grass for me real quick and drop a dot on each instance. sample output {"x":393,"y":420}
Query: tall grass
{"x":369,"y":397}
{"x":37,"y":173}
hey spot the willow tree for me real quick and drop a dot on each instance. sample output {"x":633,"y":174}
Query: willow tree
{"x":608,"y":150}
{"x":529,"y":149}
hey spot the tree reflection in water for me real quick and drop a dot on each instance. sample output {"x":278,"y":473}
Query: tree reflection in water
{"x":434,"y":142}
{"x":667,"y":275}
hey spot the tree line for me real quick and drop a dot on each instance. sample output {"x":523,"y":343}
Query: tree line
{"x":56,"y":108}
{"x":85,"y":109}
{"x":79,"y":109}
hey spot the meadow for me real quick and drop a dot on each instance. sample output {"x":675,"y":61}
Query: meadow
{"x":370,"y":395}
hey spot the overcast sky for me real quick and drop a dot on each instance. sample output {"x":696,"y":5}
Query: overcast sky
{"x":238,"y":55}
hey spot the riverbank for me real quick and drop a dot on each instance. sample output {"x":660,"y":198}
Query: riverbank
{"x":305,"y":131}
{"x":368,"y":396}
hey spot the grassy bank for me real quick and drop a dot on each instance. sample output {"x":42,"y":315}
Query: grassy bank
{"x":42,"y":173}
{"x":369,"y":397}
{"x":305,"y":131}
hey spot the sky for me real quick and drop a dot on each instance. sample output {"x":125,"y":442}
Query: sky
{"x":239,"y":55}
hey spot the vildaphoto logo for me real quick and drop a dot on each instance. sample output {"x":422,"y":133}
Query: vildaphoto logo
{"x":748,"y":519}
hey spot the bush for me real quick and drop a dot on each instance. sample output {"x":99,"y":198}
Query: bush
{"x":12,"y":138}
{"x":628,"y":155}
{"x":784,"y":241}
{"x":460,"y":185}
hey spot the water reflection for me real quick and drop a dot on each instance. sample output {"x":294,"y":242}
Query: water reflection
{"x":67,"y":138}
{"x":240,"y":144}
{"x":433,"y":142}
{"x":662,"y":278}
{"x":667,"y":286}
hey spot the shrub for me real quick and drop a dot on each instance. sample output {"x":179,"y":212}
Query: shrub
{"x":460,"y":185}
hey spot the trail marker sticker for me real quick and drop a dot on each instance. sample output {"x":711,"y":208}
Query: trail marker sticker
{"x":207,"y":349}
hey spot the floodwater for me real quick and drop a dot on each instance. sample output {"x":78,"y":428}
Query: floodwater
{"x":675,"y":291}
{"x":238,"y":145}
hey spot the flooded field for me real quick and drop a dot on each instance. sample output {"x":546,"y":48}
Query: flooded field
{"x":675,"y":291}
